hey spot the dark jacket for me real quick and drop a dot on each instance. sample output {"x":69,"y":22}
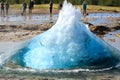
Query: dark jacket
{"x":51,"y":4}
{"x":24,"y":5}
{"x":2,"y":5}
{"x":7,"y":6}
{"x":31,"y":5}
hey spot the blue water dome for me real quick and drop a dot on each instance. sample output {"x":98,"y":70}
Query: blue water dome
{"x":69,"y":44}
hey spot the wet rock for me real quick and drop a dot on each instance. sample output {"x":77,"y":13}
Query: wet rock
{"x":4,"y":30}
{"x":45,"y":27}
{"x":118,"y":35}
{"x":13,"y":26}
{"x":100,"y":30}
{"x":31,"y":28}
{"x":25,"y":34}
{"x":117,"y":27}
{"x":2,"y":26}
{"x":112,"y":40}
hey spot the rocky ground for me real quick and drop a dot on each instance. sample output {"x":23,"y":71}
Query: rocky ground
{"x":21,"y":32}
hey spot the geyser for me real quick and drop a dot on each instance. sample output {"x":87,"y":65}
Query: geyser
{"x":69,"y":44}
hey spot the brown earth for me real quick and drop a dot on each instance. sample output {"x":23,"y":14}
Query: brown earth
{"x":21,"y":32}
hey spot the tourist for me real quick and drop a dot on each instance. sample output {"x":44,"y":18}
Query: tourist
{"x":24,"y":7}
{"x":7,"y":7}
{"x":2,"y":8}
{"x":31,"y":6}
{"x":51,"y":6}
{"x":60,"y":6}
{"x":84,"y":6}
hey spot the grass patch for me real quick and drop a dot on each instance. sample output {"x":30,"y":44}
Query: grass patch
{"x":16,"y":6}
{"x":55,"y":6}
{"x":103,"y":8}
{"x":45,"y":6}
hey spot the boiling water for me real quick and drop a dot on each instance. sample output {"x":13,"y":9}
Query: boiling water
{"x":69,"y":44}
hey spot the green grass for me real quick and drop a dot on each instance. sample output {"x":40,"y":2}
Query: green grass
{"x":55,"y":6}
{"x":45,"y":6}
{"x":16,"y":6}
{"x":103,"y":8}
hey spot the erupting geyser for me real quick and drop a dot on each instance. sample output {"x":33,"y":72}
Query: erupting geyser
{"x":69,"y":44}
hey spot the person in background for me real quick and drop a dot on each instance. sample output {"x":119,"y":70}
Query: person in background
{"x":31,"y":6}
{"x":2,"y":8}
{"x":60,"y":6}
{"x":24,"y":7}
{"x":7,"y":7}
{"x":84,"y":6}
{"x":51,"y":6}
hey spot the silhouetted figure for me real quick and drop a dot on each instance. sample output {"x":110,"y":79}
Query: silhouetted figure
{"x":7,"y":7}
{"x":60,"y":6}
{"x":84,"y":6}
{"x":31,"y":6}
{"x":51,"y":6}
{"x":24,"y":7}
{"x":2,"y":8}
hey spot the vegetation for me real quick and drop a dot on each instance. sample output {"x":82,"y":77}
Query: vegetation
{"x":91,"y":2}
{"x":92,"y":8}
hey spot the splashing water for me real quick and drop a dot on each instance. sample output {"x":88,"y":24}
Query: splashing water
{"x":69,"y":44}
